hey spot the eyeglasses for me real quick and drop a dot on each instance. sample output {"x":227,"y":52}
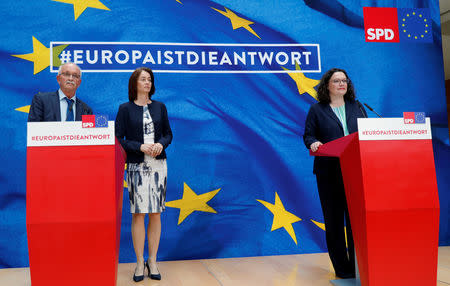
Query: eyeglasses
{"x":338,"y":81}
{"x":68,"y":75}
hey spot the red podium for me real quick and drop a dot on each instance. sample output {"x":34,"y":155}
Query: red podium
{"x":390,"y":184}
{"x":74,"y":203}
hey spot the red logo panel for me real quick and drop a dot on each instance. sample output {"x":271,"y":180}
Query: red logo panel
{"x":381,"y":24}
{"x":409,"y":117}
{"x":88,"y":121}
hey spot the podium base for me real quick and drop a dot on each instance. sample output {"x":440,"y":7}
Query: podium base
{"x":346,"y":282}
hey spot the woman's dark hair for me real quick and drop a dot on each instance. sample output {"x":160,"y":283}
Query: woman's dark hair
{"x":132,"y":83}
{"x":323,"y":94}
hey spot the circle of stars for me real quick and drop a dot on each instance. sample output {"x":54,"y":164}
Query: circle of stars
{"x":405,"y":26}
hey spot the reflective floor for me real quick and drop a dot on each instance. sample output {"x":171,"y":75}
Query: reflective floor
{"x":285,"y":270}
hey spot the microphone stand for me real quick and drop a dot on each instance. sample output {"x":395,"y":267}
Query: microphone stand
{"x":371,"y":109}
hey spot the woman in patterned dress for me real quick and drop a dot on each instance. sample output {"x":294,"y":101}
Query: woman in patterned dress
{"x":142,"y":127}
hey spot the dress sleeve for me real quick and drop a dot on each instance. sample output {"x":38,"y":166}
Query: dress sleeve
{"x":121,"y":125}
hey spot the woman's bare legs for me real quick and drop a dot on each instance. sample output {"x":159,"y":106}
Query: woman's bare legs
{"x":154,"y":234}
{"x":138,"y":235}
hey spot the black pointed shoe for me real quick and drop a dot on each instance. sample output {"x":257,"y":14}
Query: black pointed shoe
{"x":152,"y":276}
{"x":138,"y":278}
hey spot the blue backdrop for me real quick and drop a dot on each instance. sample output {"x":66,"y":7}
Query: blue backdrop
{"x":240,"y":179}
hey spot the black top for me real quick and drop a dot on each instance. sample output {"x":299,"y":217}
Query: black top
{"x":129,"y":129}
{"x":323,"y":125}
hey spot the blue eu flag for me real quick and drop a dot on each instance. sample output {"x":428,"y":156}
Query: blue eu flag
{"x":414,"y":25}
{"x":101,"y":120}
{"x":419,"y":117}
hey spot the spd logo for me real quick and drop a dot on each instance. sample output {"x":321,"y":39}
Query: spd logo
{"x":88,"y":121}
{"x":381,"y":24}
{"x":397,"y":25}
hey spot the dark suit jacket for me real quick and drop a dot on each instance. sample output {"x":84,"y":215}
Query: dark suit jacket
{"x":46,"y":107}
{"x":130,"y":133}
{"x":323,"y":125}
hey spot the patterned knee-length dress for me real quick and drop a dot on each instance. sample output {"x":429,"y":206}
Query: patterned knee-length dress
{"x":147,"y":181}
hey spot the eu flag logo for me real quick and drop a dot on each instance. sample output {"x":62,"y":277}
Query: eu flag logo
{"x":101,"y":121}
{"x":414,"y":25}
{"x":420,"y":117}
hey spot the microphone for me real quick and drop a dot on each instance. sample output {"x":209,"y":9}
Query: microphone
{"x":363,"y":112}
{"x":371,"y":109}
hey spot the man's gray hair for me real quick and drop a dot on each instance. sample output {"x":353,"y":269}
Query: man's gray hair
{"x":68,"y":63}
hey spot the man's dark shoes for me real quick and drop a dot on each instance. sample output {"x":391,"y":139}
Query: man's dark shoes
{"x":345,"y":275}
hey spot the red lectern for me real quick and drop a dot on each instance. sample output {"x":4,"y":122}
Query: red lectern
{"x":390,"y":184}
{"x":74,"y":203}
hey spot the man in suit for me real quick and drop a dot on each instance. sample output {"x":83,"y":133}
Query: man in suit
{"x":62,"y":105}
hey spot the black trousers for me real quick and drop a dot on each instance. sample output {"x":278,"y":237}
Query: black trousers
{"x":335,"y":213}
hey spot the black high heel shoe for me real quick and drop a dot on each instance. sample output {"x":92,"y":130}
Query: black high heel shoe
{"x":152,"y":276}
{"x":138,"y":278}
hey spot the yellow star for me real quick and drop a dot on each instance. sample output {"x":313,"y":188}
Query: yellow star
{"x":319,"y":224}
{"x":236,"y":21}
{"x":25,"y":109}
{"x":125,"y":184}
{"x":80,"y":5}
{"x":192,"y":202}
{"x":304,"y":84}
{"x":179,"y":1}
{"x":322,"y":227}
{"x":41,"y":56}
{"x":281,"y":217}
